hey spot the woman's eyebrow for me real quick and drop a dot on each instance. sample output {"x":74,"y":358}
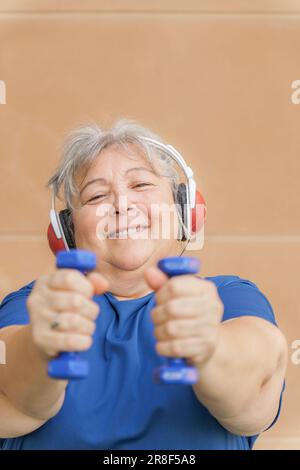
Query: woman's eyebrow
{"x":140,"y":168}
{"x":103,"y":180}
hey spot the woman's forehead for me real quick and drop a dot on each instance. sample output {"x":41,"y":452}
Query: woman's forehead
{"x":116,"y":159}
{"x":123,"y":158}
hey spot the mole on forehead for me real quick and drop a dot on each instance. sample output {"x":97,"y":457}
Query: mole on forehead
{"x":104,"y":181}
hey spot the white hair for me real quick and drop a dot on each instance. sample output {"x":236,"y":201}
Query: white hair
{"x":84,"y":144}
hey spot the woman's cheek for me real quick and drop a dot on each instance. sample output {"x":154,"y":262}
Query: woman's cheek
{"x":87,"y":228}
{"x":163,"y":224}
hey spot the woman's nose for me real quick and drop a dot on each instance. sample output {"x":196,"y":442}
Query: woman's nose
{"x":121,"y":203}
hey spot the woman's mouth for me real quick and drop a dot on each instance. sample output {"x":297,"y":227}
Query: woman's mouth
{"x":127,"y":232}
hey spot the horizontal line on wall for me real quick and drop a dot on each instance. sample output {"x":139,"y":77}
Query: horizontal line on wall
{"x":152,"y":12}
{"x":208,"y":238}
{"x":21,"y":236}
{"x":254,"y":238}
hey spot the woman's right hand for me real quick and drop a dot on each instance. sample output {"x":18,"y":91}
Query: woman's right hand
{"x":63,"y":299}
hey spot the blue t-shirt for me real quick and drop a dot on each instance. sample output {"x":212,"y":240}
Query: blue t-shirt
{"x":119,"y":406}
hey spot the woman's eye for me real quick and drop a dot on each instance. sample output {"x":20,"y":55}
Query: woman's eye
{"x":96,"y":197}
{"x":142,"y":184}
{"x":100,"y":196}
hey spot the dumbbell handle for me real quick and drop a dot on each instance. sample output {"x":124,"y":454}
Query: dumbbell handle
{"x":70,"y":365}
{"x":176,"y":370}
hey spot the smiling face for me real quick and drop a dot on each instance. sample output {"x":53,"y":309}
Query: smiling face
{"x":124,"y":203}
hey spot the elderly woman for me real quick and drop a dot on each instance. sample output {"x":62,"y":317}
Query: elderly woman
{"x":127,"y":315}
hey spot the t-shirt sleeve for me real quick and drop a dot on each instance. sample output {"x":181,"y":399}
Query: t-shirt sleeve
{"x":242,"y":297}
{"x":13,"y":309}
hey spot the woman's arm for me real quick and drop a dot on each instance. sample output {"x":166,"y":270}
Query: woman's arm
{"x":28,"y":396}
{"x":241,"y":361}
{"x":242,"y":381}
{"x":24,"y":380}
{"x":13,"y":423}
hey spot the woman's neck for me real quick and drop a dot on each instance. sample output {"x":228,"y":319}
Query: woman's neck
{"x":125,"y":284}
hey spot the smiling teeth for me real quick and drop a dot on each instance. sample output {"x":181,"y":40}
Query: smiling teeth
{"x":124,"y":233}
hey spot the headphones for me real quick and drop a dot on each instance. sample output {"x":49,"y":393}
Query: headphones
{"x":191,"y":204}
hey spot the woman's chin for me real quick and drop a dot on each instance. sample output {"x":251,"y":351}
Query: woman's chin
{"x":131,"y":258}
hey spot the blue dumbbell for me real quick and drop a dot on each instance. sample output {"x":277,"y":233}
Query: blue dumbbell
{"x":176,"y":370}
{"x":69,"y":365}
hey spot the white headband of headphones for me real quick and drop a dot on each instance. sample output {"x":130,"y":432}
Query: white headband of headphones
{"x":191,"y":193}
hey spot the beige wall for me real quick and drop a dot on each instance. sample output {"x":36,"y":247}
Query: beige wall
{"x":213,"y":78}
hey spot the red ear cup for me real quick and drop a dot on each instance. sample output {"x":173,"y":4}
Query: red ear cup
{"x":56,"y":244}
{"x":198,"y":213}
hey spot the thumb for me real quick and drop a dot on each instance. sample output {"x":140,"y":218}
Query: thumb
{"x":155,"y":278}
{"x":99,"y":282}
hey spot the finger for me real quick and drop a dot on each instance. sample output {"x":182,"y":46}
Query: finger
{"x":70,"y":322}
{"x":185,"y":348}
{"x":41,"y":315}
{"x":155,"y":278}
{"x":72,"y":301}
{"x":70,"y":280}
{"x":180,"y":286}
{"x":183,"y":307}
{"x":41,"y":281}
{"x":178,"y":329}
{"x":99,"y":282}
{"x":58,"y":341}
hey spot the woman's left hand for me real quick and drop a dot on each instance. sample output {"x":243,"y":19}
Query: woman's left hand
{"x":186,"y":317}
